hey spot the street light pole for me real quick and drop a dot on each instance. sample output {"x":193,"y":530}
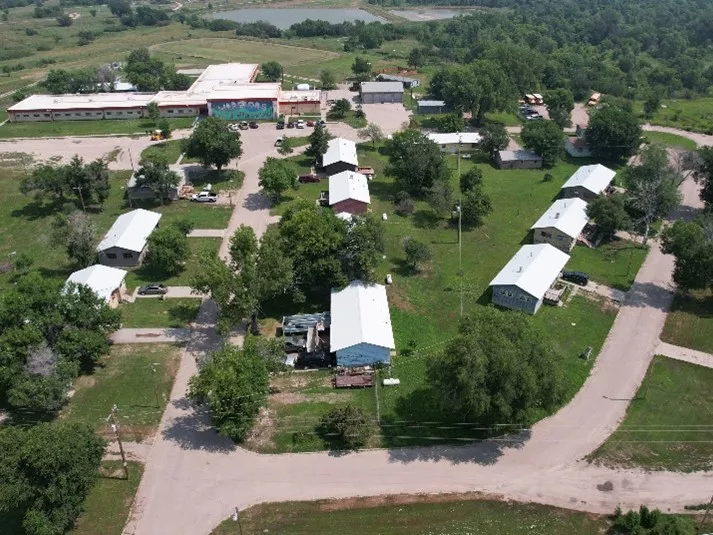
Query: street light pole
{"x":460,"y":228}
{"x":81,"y":198}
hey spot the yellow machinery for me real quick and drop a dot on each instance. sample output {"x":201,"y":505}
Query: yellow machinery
{"x":157,"y":135}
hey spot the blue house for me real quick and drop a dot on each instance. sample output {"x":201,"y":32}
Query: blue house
{"x":361,"y":333}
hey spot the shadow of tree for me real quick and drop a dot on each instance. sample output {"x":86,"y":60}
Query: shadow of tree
{"x":426,"y":219}
{"x":183,"y":313}
{"x":192,"y":430}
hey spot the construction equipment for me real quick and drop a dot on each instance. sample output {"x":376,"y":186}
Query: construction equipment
{"x":157,"y":135}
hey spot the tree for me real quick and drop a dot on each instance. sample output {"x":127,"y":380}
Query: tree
{"x":213,"y":144}
{"x":495,"y":137}
{"x":154,"y":174}
{"x":613,"y":133}
{"x":417,"y":253}
{"x":416,"y":58}
{"x":150,"y":73}
{"x":85,"y":37}
{"x":692,"y":245}
{"x":272,"y":70}
{"x":286,"y":147}
{"x":349,"y":424}
{"x":167,"y":250}
{"x":363,"y":248}
{"x":153,"y":111}
{"x":361,"y":68}
{"x":471,"y":179}
{"x":318,"y":140}
{"x":93,"y":12}
{"x":165,"y":128}
{"x":119,"y":8}
{"x":545,"y":138}
{"x":274,"y":267}
{"x":647,"y":522}
{"x":372,"y":132}
{"x":701,"y":163}
{"x":339,"y":109}
{"x":65,"y":20}
{"x":234,"y":383}
{"x":88,"y":183}
{"x":453,"y":122}
{"x":416,"y":162}
{"x":476,"y":206}
{"x":243,"y":248}
{"x":48,"y":470}
{"x":440,"y":197}
{"x":79,"y":235}
{"x":560,"y":104}
{"x":609,"y":213}
{"x":403,"y":205}
{"x":512,"y":371}
{"x":651,"y":105}
{"x":327,"y":80}
{"x":276,"y":177}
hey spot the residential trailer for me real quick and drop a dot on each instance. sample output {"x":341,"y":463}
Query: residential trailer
{"x":561,"y":224}
{"x":349,"y":193}
{"x":456,"y":141}
{"x":381,"y":92}
{"x":125,"y":243}
{"x":517,"y":159}
{"x":341,"y":156}
{"x":361,"y":333}
{"x":523,"y":282}
{"x":588,"y":182}
{"x":106,"y":282}
{"x":432,"y":106}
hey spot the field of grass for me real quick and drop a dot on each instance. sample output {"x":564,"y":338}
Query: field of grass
{"x":171,"y":150}
{"x":667,"y":425}
{"x":404,"y":515}
{"x":613,"y":264}
{"x":125,"y":378}
{"x":86,"y":128}
{"x":670,"y":140}
{"x":695,"y":114}
{"x":690,"y":321}
{"x":106,"y":509}
{"x":154,"y":312}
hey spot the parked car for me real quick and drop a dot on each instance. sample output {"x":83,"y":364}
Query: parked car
{"x":310,"y":123}
{"x":320,"y":123}
{"x":300,"y":124}
{"x":281,"y":125}
{"x":233,"y":127}
{"x":253,"y":125}
{"x":153,"y":289}
{"x":204,"y":196}
{"x":306,"y":179}
{"x":577,"y":277}
{"x":244,"y":125}
{"x":290,"y":125}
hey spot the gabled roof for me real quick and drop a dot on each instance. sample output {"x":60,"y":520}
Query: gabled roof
{"x":382,"y":87}
{"x":519,"y":155}
{"x":566,"y":215}
{"x":348,"y":185}
{"x":455,"y":138}
{"x":340,"y":150}
{"x":594,"y":178}
{"x":130,"y":231}
{"x":533,"y":269}
{"x":102,"y":280}
{"x":360,"y":315}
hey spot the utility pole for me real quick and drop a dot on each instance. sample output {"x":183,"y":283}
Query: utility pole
{"x":460,"y":228}
{"x":81,"y":198}
{"x":705,"y":516}
{"x":115,"y":429}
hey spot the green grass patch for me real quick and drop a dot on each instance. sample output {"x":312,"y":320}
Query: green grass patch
{"x":667,"y":425}
{"x":223,"y":180}
{"x":155,"y":312}
{"x":505,"y":118}
{"x":125,"y":378}
{"x":613,"y":263}
{"x":670,"y":140}
{"x":352,"y":120}
{"x":87,"y":128}
{"x":689,"y":323}
{"x":171,"y":150}
{"x":695,"y":115}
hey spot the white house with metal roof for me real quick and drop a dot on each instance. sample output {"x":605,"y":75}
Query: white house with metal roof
{"x":341,"y":156}
{"x":107,"y":282}
{"x":349,"y":192}
{"x":561,"y":224}
{"x":125,"y":243}
{"x":452,"y":142}
{"x":361,"y":332}
{"x":588,"y":182}
{"x":522,"y":283}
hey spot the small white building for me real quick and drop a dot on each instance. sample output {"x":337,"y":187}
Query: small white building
{"x":361,"y":333}
{"x":588,"y":182}
{"x":125,"y":243}
{"x":349,"y":192}
{"x":341,"y":156}
{"x":561,"y":224}
{"x":107,"y":282}
{"x":523,"y":282}
{"x":468,"y":141}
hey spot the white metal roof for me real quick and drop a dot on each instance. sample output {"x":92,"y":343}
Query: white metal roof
{"x":311,"y":95}
{"x":83,"y":102}
{"x":533,"y":269}
{"x":244,"y":91}
{"x":179,"y":98}
{"x":382,"y":87}
{"x":455,"y":137}
{"x":340,"y":150}
{"x":519,"y":155}
{"x":566,"y":215}
{"x":348,"y":185}
{"x":594,"y":178}
{"x":102,"y":280}
{"x":130,"y":231}
{"x":224,"y":73}
{"x":429,"y":103}
{"x":360,"y":314}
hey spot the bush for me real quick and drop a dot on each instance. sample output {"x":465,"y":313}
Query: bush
{"x":403,"y":204}
{"x":349,"y":424}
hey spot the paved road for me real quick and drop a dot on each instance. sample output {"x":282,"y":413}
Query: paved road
{"x":686,"y":355}
{"x":150,"y":335}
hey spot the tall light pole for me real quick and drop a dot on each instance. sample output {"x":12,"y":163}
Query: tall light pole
{"x":460,"y":228}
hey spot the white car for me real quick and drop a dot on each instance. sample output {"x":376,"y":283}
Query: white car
{"x":300,"y":124}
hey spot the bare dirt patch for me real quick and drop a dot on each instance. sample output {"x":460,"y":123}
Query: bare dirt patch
{"x":398,"y":298}
{"x":263,"y":431}
{"x":292,"y":398}
{"x":402,"y":499}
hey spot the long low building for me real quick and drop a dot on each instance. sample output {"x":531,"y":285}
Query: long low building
{"x":455,"y":141}
{"x":561,"y":224}
{"x":125,"y":242}
{"x":588,"y":182}
{"x":228,"y":91}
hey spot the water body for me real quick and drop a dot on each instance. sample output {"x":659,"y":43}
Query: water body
{"x":421,"y":15}
{"x":284,"y":18}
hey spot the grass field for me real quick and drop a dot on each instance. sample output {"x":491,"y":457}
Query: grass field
{"x":106,"y":509}
{"x":401,"y":515}
{"x":125,"y":378}
{"x":86,"y":128}
{"x":670,"y":140}
{"x":613,"y":264}
{"x":667,"y":425}
{"x":690,"y":321}
{"x":695,"y":115}
{"x":171,"y":150}
{"x":154,"y":312}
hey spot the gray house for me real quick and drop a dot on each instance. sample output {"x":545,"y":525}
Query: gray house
{"x":561,"y":224}
{"x":407,"y":82}
{"x":517,"y":159}
{"x":523,"y":282}
{"x":432,"y":106}
{"x":125,"y":243}
{"x":381,"y":92}
{"x":341,"y":156}
{"x":588,"y":182}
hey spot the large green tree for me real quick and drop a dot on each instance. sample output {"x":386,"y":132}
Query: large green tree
{"x":363,"y":248}
{"x":702,"y":166}
{"x":613,"y":133}
{"x":276,"y":177}
{"x":154,"y":174}
{"x":609,"y":213}
{"x":318,"y":140}
{"x":167,"y":250}
{"x":79,"y":236}
{"x":476,"y":206}
{"x":495,"y":137}
{"x":348,"y":424}
{"x":213,"y":144}
{"x":416,"y":162}
{"x":692,"y":245}
{"x":544,"y":138}
{"x":272,"y":70}
{"x":560,"y":103}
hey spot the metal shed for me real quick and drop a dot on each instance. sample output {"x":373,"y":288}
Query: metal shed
{"x":381,"y":92}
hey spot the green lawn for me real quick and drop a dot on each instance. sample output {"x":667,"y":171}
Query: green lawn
{"x":125,"y":378}
{"x":106,"y":509}
{"x":670,"y":140}
{"x":613,"y":264}
{"x":695,"y":114}
{"x":355,"y":122}
{"x":690,"y":321}
{"x":401,"y":516}
{"x":667,"y":425}
{"x":171,"y":149}
{"x":86,"y":128}
{"x":155,"y":312}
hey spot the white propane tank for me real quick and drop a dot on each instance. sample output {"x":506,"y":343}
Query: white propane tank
{"x":391,"y":381}
{"x":302,"y":87}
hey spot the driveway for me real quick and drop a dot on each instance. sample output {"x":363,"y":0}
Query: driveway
{"x":173,"y":292}
{"x":390,"y":117}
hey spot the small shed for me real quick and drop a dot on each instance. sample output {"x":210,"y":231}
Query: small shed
{"x":106,"y":282}
{"x":381,"y":92}
{"x":341,"y":156}
{"x":361,"y":333}
{"x":432,"y":106}
{"x":561,"y":224}
{"x":517,"y":159}
{"x":452,"y":142}
{"x":407,"y":82}
{"x":588,"y":182}
{"x":349,"y":193}
{"x":125,"y":243}
{"x":523,"y":282}
{"x":139,"y":193}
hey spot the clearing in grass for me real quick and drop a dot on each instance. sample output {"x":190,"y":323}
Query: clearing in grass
{"x":670,"y":140}
{"x":156,"y":312}
{"x":614,"y":264}
{"x":689,"y":323}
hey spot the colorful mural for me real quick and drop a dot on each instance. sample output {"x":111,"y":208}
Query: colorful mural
{"x":244,"y":110}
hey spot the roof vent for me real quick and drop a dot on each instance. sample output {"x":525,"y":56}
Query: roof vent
{"x":557,"y":215}
{"x":519,"y":269}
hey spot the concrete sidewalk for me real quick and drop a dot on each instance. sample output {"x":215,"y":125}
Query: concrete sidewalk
{"x":684,"y":354}
{"x":207,"y":233}
{"x":150,"y":336}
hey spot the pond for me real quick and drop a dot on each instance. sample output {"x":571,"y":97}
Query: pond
{"x":420,"y":15}
{"x":284,"y":18}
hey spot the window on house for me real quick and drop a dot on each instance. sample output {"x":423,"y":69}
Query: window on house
{"x":128,"y":255}
{"x":170,"y":111}
{"x":35,"y":114}
{"x":111,"y":256}
{"x":546,"y":234}
{"x":47,"y":114}
{"x":108,"y":113}
{"x":88,"y":114}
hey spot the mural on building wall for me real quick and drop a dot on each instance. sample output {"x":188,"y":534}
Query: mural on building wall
{"x":243,"y":109}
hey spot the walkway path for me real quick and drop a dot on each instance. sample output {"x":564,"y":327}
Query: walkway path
{"x":687,"y":355}
{"x":207,"y":233}
{"x":150,"y":335}
{"x":173,"y":292}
